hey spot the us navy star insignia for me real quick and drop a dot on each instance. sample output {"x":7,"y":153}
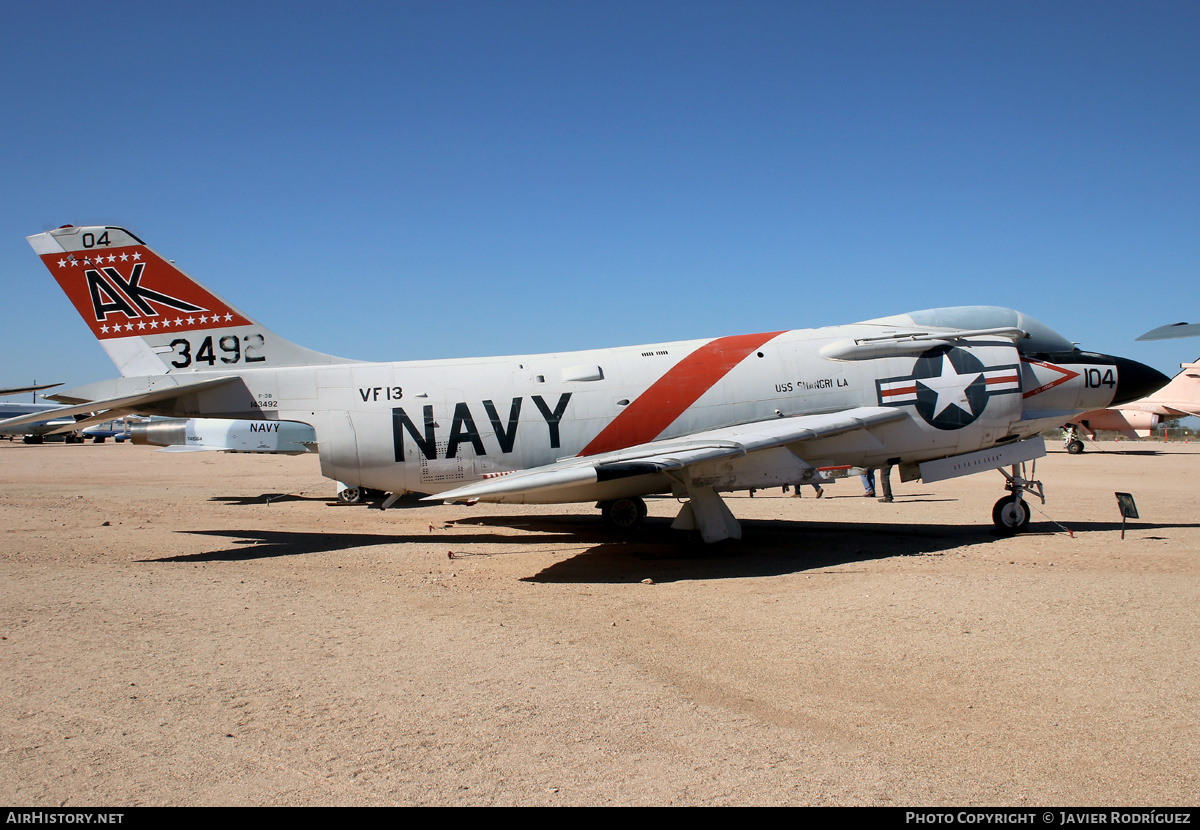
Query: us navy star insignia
{"x":949,"y":388}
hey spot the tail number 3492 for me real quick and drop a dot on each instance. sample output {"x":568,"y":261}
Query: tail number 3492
{"x":228,"y":349}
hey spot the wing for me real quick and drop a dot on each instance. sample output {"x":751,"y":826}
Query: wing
{"x":1172,"y":331}
{"x":673,"y":454}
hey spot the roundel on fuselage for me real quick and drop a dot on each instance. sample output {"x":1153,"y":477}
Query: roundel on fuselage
{"x":949,"y":387}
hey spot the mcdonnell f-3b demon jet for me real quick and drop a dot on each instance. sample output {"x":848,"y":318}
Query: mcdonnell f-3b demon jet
{"x":939,"y":393}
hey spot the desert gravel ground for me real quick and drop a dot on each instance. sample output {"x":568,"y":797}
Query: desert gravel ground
{"x":170,"y":637}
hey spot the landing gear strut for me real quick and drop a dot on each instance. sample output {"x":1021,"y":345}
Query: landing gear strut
{"x":1011,"y":514}
{"x":623,"y":514}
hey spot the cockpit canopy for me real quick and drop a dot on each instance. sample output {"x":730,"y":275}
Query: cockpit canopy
{"x":1042,"y":338}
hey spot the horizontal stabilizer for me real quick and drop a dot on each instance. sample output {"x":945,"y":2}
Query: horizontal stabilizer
{"x":115,"y":407}
{"x":14,"y":390}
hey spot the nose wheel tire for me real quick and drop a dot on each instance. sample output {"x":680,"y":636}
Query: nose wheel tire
{"x":1075,"y":447}
{"x":623,"y":514}
{"x":351,"y":495}
{"x":1011,"y":515}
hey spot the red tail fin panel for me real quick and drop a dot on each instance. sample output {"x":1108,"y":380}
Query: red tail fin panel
{"x":120,"y":291}
{"x":121,"y":287}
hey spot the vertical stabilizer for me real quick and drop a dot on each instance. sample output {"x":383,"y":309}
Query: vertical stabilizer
{"x":151,"y":317}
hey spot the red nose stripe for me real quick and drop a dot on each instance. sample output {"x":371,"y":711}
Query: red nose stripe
{"x":658,"y":407}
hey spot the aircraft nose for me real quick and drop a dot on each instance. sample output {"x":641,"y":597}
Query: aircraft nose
{"x":1135,"y":381}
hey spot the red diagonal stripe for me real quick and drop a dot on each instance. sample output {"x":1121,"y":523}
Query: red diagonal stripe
{"x":1067,"y":375}
{"x":667,"y":398}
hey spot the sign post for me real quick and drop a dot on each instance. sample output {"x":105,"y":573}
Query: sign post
{"x":1128,"y":509}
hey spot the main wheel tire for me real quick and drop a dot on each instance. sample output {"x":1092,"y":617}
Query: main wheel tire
{"x":623,"y":514}
{"x":350,"y":495}
{"x":1011,"y":515}
{"x":1075,"y":447}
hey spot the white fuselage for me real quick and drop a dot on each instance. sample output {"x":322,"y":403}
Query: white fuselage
{"x":431,"y":426}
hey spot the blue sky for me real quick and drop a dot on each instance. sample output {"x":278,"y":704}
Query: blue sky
{"x":437,"y":179}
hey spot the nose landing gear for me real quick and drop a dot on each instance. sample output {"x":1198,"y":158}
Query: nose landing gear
{"x":1071,"y":439}
{"x":1011,"y":514}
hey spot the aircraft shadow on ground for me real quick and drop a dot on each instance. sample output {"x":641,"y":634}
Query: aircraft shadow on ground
{"x":1126,"y":452}
{"x":768,"y":547}
{"x":267,"y":544}
{"x":268,"y":498}
{"x":271,"y":498}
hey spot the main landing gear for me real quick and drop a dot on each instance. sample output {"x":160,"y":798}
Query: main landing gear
{"x":358,"y":495}
{"x":624,"y":513}
{"x":1011,"y":514}
{"x":351,"y":495}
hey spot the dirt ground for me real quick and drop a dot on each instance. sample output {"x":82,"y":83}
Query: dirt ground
{"x":170,"y":637}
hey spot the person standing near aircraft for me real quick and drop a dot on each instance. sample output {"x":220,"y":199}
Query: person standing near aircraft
{"x":885,"y":481}
{"x":868,"y":482}
{"x":796,"y":490}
